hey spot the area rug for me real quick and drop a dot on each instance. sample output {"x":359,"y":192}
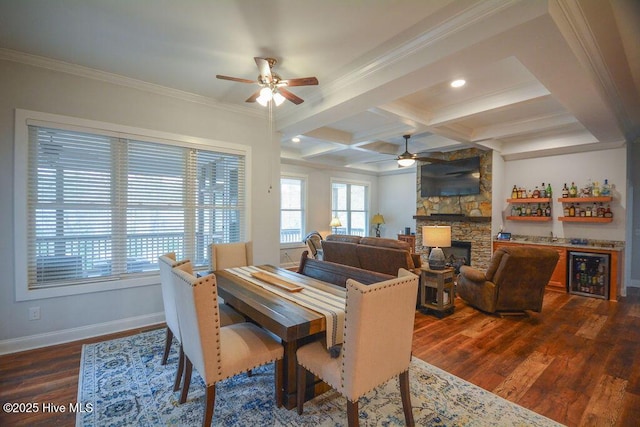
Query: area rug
{"x":125,"y":384}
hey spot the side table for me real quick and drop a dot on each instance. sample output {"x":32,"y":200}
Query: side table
{"x":437,"y":291}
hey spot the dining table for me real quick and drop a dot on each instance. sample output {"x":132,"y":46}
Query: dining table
{"x":294,"y":323}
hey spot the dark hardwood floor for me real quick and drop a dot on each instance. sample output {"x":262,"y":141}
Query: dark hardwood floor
{"x":577,"y":362}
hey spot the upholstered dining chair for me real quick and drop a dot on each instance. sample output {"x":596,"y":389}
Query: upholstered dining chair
{"x":229,"y":255}
{"x":228,"y":315}
{"x":378,"y":332}
{"x":218,"y":352}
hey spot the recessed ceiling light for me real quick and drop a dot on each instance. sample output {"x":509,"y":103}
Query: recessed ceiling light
{"x":295,"y":139}
{"x":458,"y":83}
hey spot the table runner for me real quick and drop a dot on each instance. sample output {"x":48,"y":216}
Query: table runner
{"x":331,"y":306}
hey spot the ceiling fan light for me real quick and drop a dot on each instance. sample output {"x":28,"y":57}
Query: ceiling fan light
{"x":262,"y":100}
{"x":278,"y":98}
{"x":406,"y":159}
{"x":458,"y":83}
{"x":266,"y":93}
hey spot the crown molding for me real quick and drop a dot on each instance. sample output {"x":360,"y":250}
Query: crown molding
{"x":571,"y":19}
{"x":116,"y":79}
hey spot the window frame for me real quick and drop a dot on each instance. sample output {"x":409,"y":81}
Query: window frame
{"x":25,"y":118}
{"x":367,"y":203}
{"x":305,"y":181}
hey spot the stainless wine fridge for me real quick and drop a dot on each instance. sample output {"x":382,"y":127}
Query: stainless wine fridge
{"x":588,"y":274}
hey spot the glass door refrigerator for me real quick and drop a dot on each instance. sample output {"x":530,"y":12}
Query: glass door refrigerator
{"x":588,"y":274}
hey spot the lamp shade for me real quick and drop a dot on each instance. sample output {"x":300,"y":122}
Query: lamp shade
{"x":335,"y":222}
{"x":377,"y":219}
{"x":436,"y":236}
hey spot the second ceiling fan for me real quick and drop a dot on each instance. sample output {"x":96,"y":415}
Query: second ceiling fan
{"x":407,"y":159}
{"x":273,"y":87}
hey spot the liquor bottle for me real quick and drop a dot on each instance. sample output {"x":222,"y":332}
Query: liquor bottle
{"x":573,"y":190}
{"x":587,"y":211}
{"x":580,"y":211}
{"x":572,"y":210}
{"x":601,"y":211}
{"x":549,"y":191}
{"x":543,"y":191}
{"x":608,"y":213}
{"x":547,"y":210}
{"x":527,"y":211}
{"x":514,"y":211}
{"x":539,"y":210}
{"x":606,"y":188}
{"x":536,"y":193}
{"x":514,"y":192}
{"x":565,"y":210}
{"x":595,"y":190}
{"x":565,"y":191}
{"x":523,"y":193}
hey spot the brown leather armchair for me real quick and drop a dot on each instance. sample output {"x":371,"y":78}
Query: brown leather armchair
{"x":514,"y":282}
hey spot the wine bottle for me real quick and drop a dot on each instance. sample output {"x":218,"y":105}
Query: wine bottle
{"x":573,"y":190}
{"x":549,"y":191}
{"x":547,"y":210}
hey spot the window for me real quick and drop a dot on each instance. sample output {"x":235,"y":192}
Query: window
{"x":292,"y":209}
{"x":350,"y":203}
{"x":102,"y":206}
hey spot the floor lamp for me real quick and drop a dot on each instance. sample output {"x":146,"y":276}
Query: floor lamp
{"x":436,"y":237}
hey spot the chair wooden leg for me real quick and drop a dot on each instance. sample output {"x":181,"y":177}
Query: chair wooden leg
{"x":352,"y":413}
{"x":176,"y":382}
{"x":405,"y":394}
{"x":211,"y":402}
{"x":279,"y":373}
{"x":167,"y":346}
{"x":301,"y":386}
{"x":187,"y":379}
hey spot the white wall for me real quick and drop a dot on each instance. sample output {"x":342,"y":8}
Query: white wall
{"x":397,"y":201}
{"x":49,"y":91}
{"x":578,"y":168}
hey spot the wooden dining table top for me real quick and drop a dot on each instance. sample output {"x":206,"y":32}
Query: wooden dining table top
{"x":286,"y":319}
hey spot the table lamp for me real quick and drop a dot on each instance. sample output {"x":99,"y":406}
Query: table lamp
{"x":436,"y":237}
{"x":335,"y":223}
{"x":377,"y":220}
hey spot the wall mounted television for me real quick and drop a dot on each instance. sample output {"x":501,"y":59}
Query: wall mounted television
{"x":453,"y":178}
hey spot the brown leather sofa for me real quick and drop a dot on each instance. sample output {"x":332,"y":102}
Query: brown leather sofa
{"x":514,"y":281}
{"x":370,"y":253}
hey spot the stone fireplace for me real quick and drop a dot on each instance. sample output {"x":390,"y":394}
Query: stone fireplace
{"x":468,"y":216}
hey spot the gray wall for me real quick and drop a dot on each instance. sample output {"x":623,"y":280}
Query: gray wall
{"x":39,"y":89}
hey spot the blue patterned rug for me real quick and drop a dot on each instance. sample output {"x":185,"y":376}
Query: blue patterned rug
{"x":127,"y":386}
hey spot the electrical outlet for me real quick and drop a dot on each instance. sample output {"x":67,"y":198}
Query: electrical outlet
{"x":34,"y":313}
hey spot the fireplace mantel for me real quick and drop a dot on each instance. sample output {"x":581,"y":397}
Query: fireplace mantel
{"x":453,"y":217}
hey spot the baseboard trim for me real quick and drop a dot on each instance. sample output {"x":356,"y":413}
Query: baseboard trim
{"x":31,"y":342}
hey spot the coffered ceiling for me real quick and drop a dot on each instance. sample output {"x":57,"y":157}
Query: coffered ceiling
{"x":543,"y":77}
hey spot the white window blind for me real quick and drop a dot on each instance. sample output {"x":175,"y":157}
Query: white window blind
{"x":103,"y":208}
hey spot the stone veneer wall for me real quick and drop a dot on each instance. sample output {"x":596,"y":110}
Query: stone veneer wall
{"x":478,"y":233}
{"x":475,"y":230}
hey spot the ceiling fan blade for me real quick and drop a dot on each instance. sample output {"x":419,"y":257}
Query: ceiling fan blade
{"x":303,"y":81}
{"x":234,"y":79}
{"x":253,"y":97}
{"x":290,"y":96}
{"x":265,"y":69}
